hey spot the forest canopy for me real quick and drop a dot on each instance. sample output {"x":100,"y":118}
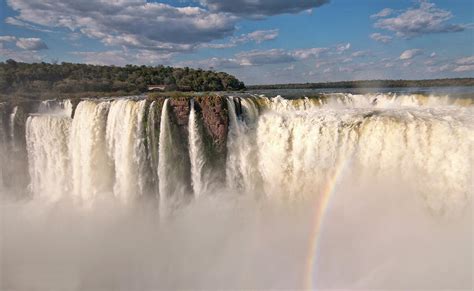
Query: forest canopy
{"x":40,"y":80}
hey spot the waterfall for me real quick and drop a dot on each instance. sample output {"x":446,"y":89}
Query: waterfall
{"x":153,"y":139}
{"x":241,"y":171}
{"x":199,"y":178}
{"x":13,"y":125}
{"x":277,"y":148}
{"x":125,"y":135}
{"x":173,"y":165}
{"x":92,"y":170}
{"x":48,"y":156}
{"x":3,"y":143}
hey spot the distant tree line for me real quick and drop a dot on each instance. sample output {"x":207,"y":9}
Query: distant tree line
{"x":43,"y":79}
{"x":371,"y":84}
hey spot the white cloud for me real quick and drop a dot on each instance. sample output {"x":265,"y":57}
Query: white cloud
{"x":260,"y":36}
{"x":343,"y":47}
{"x":256,"y":57}
{"x":360,"y":54}
{"x":303,"y":54}
{"x":409,"y":54}
{"x":383,"y":13}
{"x":465,"y":61}
{"x":19,"y":23}
{"x":381,"y":38}
{"x":19,"y":56}
{"x":7,"y":38}
{"x":464,"y":68}
{"x":131,"y":23}
{"x":416,"y":21}
{"x":32,"y":44}
{"x":261,"y":8}
{"x":465,"y":64}
{"x":257,"y":36}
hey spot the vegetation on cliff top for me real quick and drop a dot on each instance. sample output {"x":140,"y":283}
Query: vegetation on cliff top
{"x":44,"y":80}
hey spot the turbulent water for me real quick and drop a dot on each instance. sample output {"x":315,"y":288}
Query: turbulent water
{"x":394,"y":168}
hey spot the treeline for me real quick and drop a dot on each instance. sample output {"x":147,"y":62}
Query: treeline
{"x":371,"y":84}
{"x":44,"y":79}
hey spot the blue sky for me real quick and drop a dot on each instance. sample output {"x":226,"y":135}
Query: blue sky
{"x":259,"y":41}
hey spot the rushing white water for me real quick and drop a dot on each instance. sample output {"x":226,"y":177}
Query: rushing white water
{"x":92,"y":171}
{"x":240,"y":170}
{"x":292,"y":151}
{"x":48,"y":155}
{"x":13,"y":126}
{"x":153,"y":139}
{"x":3,"y":142}
{"x":171,"y":166}
{"x":279,"y":148}
{"x":63,"y":107}
{"x":199,"y":175}
{"x":126,"y":147}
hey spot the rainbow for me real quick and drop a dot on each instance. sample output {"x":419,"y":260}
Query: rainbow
{"x":321,"y":206}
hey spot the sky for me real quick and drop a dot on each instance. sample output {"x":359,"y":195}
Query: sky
{"x":258,"y":41}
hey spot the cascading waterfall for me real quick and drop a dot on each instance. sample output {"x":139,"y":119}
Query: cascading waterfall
{"x":48,"y":155}
{"x":241,"y":171}
{"x":152,"y":141}
{"x":3,"y":142}
{"x":277,"y":148}
{"x":295,"y":144}
{"x":13,"y":125}
{"x":126,"y":147}
{"x":199,"y":176}
{"x":92,"y":170}
{"x":171,"y":167}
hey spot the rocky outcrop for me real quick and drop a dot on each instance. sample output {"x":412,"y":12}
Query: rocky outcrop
{"x":216,"y":120}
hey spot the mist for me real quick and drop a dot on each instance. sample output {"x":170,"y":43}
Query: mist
{"x":376,"y":236}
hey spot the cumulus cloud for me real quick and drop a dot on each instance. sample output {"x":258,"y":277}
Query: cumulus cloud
{"x":261,"y":8}
{"x":464,"y":64}
{"x":464,"y":68}
{"x":31,"y":44}
{"x":381,"y":37}
{"x":131,"y":23}
{"x":426,"y":18}
{"x":409,"y":54}
{"x":465,"y":61}
{"x":7,"y":38}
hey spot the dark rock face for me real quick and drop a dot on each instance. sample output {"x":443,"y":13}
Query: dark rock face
{"x":212,"y":110}
{"x":213,"y":118}
{"x":216,"y":120}
{"x":179,"y":111}
{"x":13,"y":121}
